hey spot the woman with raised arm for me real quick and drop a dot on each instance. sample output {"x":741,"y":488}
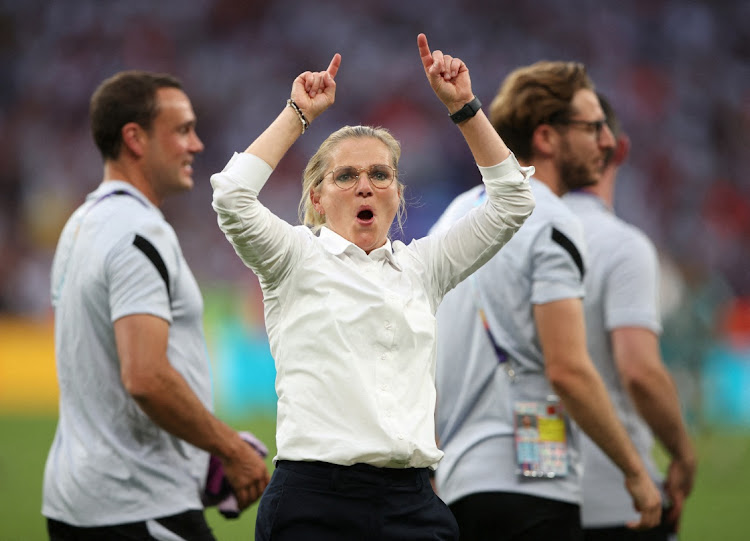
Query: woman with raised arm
{"x":350,"y":315}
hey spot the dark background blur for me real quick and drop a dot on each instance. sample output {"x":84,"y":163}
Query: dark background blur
{"x":676,"y":71}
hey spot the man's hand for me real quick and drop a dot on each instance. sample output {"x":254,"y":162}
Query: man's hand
{"x":678,"y":485}
{"x":646,"y":500}
{"x":247,"y":473}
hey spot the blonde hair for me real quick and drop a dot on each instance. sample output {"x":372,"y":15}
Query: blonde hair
{"x":532,"y":95}
{"x":320,"y":162}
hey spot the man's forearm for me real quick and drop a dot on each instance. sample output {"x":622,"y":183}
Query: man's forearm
{"x":659,"y":405}
{"x":586,"y":400}
{"x":171,"y":403}
{"x":651,"y":388}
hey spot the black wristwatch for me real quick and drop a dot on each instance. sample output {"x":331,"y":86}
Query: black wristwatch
{"x":467,"y":111}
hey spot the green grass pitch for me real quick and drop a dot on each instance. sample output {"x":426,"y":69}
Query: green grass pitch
{"x":716,"y":510}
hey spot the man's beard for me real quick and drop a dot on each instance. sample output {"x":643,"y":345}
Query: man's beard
{"x":574,"y":172}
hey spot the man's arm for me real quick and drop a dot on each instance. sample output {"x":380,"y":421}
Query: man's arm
{"x":647,"y":381}
{"x":572,"y":374}
{"x":164,"y":395}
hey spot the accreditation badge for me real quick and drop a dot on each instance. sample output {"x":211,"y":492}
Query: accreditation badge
{"x":541,"y":447}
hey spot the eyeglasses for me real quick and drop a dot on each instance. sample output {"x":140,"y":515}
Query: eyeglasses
{"x":380,"y":176}
{"x":592,"y":126}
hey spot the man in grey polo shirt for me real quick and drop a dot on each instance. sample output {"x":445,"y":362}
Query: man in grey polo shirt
{"x":512,"y":365}
{"x":622,"y":331}
{"x":130,"y":455}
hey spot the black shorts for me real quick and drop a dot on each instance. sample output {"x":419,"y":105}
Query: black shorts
{"x":511,"y":516}
{"x":190,"y":526}
{"x":662,"y":532}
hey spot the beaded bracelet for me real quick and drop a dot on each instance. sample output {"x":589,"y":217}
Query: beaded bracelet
{"x":305,"y":123}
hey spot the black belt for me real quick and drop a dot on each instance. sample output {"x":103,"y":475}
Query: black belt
{"x":327,"y":470}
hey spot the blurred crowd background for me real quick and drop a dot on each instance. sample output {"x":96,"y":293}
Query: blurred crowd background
{"x":677,"y":72}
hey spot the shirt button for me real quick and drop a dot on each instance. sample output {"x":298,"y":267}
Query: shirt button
{"x":384,"y":387}
{"x":401,"y":436}
{"x":387,"y":324}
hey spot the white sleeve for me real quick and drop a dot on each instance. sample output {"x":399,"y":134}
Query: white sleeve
{"x":453,"y":253}
{"x":265,"y":243}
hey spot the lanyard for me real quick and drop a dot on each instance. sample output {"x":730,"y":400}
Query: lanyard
{"x":502,"y":355}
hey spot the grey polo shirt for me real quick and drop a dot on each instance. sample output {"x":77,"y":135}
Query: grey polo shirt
{"x":542,"y":263}
{"x":621,"y":291}
{"x":109,"y":463}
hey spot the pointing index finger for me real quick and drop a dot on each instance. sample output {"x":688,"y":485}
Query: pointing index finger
{"x":333,"y":67}
{"x":424,"y":51}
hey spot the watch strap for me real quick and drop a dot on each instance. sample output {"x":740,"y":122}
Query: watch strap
{"x":467,"y":111}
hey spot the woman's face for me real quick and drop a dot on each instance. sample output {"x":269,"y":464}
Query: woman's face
{"x":361,"y":213}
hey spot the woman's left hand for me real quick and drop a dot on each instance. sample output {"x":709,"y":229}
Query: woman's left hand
{"x":448,"y":76}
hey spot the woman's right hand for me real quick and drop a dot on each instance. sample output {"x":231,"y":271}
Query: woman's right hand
{"x":314,"y":92}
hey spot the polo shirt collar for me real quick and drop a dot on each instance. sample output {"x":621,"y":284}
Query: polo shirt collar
{"x":337,"y":245}
{"x":591,"y":200}
{"x":109,"y":187}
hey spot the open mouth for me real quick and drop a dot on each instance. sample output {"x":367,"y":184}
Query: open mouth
{"x":365,"y":215}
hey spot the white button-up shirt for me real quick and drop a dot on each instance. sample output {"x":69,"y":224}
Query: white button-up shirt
{"x":353,"y":334}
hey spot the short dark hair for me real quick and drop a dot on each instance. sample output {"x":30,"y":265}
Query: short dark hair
{"x":128,"y":96}
{"x":613,"y":123}
{"x":533,"y":95}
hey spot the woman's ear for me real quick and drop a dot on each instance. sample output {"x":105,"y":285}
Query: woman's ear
{"x":315,"y":199}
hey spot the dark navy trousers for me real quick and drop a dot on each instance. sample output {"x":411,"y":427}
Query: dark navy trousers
{"x":322,"y":501}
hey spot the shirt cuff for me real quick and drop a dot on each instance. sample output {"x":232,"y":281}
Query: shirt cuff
{"x":505,"y":168}
{"x":248,"y":170}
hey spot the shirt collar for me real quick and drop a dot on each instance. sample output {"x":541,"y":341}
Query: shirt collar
{"x":337,"y":245}
{"x":590,"y":199}
{"x":110,"y":187}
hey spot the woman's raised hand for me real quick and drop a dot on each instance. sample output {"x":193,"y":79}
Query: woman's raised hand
{"x":314,"y":92}
{"x":448,"y":76}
